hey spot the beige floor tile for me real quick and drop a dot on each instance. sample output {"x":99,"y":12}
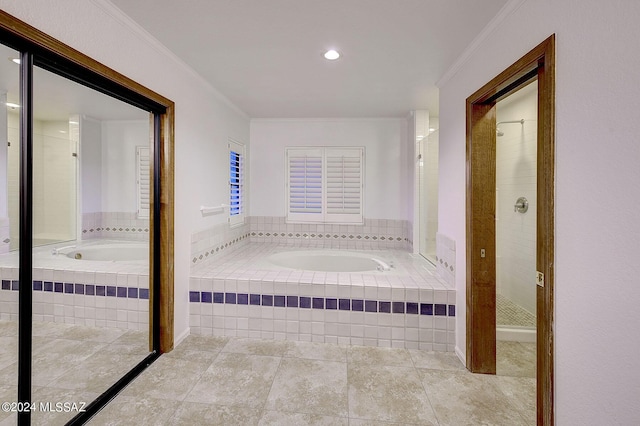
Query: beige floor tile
{"x":236,"y":379}
{"x":257,"y":347}
{"x":8,"y":393}
{"x":277,"y":418}
{"x":56,"y":357}
{"x":193,"y":413}
{"x":8,"y":328}
{"x":9,"y":374}
{"x":388,"y":394}
{"x":516,"y":359}
{"x":521,"y":392}
{"x":436,"y":360}
{"x":198,"y":348}
{"x":8,"y":350}
{"x":319,"y":351}
{"x":364,"y":422}
{"x":167,"y":378}
{"x":90,"y":334}
{"x":202,"y":344}
{"x":50,"y":330}
{"x":10,"y":420}
{"x":463,"y":398}
{"x":309,"y":386}
{"x":98,"y":372}
{"x":74,"y":398}
{"x":134,"y":338}
{"x":136,"y":410}
{"x":367,"y":356}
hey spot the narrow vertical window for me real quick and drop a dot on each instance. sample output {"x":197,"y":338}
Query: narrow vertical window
{"x":236,"y":183}
{"x":143,"y":181}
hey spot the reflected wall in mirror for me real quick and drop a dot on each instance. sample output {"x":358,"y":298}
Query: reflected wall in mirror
{"x":9,"y":83}
{"x":93,"y":327}
{"x":90,"y":242}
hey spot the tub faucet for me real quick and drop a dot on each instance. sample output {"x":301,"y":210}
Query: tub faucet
{"x":56,"y":251}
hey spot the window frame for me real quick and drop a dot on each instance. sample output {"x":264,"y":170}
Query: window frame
{"x":238,"y":148}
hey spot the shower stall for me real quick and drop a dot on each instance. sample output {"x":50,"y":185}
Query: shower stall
{"x":516,"y":139}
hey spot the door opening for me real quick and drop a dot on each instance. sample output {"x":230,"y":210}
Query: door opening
{"x":537,"y":65}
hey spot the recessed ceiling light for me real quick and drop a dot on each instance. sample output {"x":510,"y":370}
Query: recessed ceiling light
{"x":331,"y":55}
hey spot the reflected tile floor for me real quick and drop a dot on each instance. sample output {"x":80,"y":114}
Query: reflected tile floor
{"x":70,"y":363}
{"x":234,"y":381}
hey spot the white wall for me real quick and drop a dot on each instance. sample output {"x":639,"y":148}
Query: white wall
{"x":387,"y":187}
{"x":516,"y":177}
{"x":119,"y":142}
{"x":203,"y":121}
{"x":597,"y":246}
{"x":4,"y":153}
{"x":90,"y":164}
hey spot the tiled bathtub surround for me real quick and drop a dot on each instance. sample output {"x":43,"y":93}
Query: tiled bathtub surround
{"x":216,"y":240}
{"x":446,"y":259}
{"x":89,"y":293}
{"x":239,"y":294}
{"x":122,"y":225}
{"x":374,"y":234}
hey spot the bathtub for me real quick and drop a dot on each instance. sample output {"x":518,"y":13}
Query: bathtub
{"x":328,"y":261}
{"x":386,"y":298}
{"x":107,"y":252}
{"x":107,"y":287}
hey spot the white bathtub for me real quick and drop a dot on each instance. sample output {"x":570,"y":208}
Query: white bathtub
{"x":328,"y":261}
{"x":107,"y":252}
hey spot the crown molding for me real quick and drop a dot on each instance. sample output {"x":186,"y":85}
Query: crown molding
{"x":510,"y":7}
{"x":119,"y":16}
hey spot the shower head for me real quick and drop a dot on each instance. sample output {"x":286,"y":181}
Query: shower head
{"x":500,"y":132}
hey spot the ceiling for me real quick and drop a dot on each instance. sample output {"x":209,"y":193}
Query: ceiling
{"x":266,"y":56}
{"x":56,"y":98}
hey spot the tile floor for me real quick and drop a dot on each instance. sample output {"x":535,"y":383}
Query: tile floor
{"x":234,"y":381}
{"x":70,"y":364}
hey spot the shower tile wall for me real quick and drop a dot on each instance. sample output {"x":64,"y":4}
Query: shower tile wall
{"x":120,"y":225}
{"x":516,"y":177}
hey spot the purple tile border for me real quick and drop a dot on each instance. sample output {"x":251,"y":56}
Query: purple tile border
{"x":83,"y":289}
{"x":329,"y":303}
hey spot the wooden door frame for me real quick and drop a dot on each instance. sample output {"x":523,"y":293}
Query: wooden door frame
{"x":538,"y":64}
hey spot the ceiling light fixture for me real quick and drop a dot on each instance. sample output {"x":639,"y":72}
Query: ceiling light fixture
{"x":331,"y":55}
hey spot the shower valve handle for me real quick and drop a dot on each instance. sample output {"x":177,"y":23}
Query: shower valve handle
{"x":521,"y":205}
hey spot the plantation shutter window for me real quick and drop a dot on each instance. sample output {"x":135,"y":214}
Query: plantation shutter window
{"x":325,"y":185}
{"x":304,"y":171}
{"x":344,"y":185}
{"x":143,"y":181}
{"x":236,"y":183}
